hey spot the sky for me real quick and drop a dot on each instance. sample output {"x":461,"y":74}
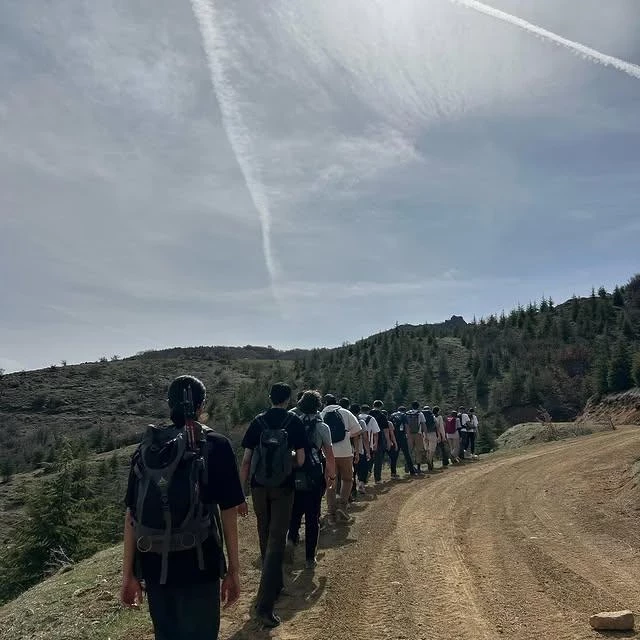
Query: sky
{"x":305,"y":174}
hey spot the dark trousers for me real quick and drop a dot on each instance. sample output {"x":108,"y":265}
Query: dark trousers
{"x":378,"y":461}
{"x":471,"y":441}
{"x":273,"y":513}
{"x":394,"y":454}
{"x":307,"y":504}
{"x":186,"y":611}
{"x":362,"y":468}
{"x":464,"y":442}
{"x":403,"y":445}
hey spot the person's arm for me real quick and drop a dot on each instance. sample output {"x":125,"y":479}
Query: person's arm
{"x":131,"y":591}
{"x":364,"y":434}
{"x":230,"y":587}
{"x":392,"y":435}
{"x":330,"y":470}
{"x":299,"y":457}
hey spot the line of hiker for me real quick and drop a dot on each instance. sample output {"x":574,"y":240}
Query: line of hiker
{"x":185,"y":492}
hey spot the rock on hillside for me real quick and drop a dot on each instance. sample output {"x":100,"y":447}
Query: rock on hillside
{"x":621,"y":408}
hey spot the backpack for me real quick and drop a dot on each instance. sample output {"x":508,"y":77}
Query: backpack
{"x":271,"y":462}
{"x":399,"y":420}
{"x":333,"y":419}
{"x":450,"y":425}
{"x":431,"y":421}
{"x":169,"y":513}
{"x":413,"y":421}
{"x":311,"y":475}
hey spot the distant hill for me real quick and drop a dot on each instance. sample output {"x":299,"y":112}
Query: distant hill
{"x":68,"y":427}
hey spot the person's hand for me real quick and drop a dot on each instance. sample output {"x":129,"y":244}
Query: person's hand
{"x":368,"y":456}
{"x":356,"y":458}
{"x":131,"y":592}
{"x":230,"y":589}
{"x":331,"y":481}
{"x":243,"y":509}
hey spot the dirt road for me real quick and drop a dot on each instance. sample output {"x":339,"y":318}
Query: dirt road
{"x":521,"y":546}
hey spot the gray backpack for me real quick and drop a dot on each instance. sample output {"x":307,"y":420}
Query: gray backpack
{"x":271,"y":462}
{"x":170,"y":513}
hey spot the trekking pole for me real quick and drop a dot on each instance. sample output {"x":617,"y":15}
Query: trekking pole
{"x":189,"y":417}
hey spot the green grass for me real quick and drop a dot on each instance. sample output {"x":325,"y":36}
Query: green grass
{"x":81,"y":603}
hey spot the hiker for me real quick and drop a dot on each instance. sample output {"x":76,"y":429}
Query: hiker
{"x":372,"y":431}
{"x":361,"y":468}
{"x":317,"y":473}
{"x":393,"y":451}
{"x":442,"y":445}
{"x":182,"y":501}
{"x":472,"y":433}
{"x":453,"y":437}
{"x":344,"y":428}
{"x":384,"y":439}
{"x":430,"y":435}
{"x":464,"y":432}
{"x":268,"y":465}
{"x":400,"y":423}
{"x":415,"y":434}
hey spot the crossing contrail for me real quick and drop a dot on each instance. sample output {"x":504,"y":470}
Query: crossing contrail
{"x":587,"y":52}
{"x":237,"y":133}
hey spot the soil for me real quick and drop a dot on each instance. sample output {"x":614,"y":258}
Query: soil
{"x":519,"y":546}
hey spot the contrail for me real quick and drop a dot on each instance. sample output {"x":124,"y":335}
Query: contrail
{"x":587,"y":52}
{"x":239,"y":137}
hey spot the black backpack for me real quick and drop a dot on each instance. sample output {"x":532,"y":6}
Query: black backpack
{"x":333,"y":419}
{"x":311,"y":475}
{"x":399,"y":420}
{"x":271,"y":462}
{"x":430,"y":420}
{"x":170,"y":513}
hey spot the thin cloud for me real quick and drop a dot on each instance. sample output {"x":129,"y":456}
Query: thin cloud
{"x":238,"y":134}
{"x":588,"y":53}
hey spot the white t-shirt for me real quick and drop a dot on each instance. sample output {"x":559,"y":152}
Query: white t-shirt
{"x":464,"y":421}
{"x":474,"y":423}
{"x":343,"y":449}
{"x":440,"y":427}
{"x":371,"y":427}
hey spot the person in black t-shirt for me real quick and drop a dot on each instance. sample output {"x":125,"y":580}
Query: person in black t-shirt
{"x":384,"y":440}
{"x":188,"y":603}
{"x":272,"y":505}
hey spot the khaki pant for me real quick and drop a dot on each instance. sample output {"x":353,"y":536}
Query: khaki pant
{"x":454,"y":444}
{"x":431,"y":443}
{"x":417,"y":448}
{"x":344,"y":477}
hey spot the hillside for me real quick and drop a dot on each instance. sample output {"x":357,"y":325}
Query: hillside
{"x":55,"y":421}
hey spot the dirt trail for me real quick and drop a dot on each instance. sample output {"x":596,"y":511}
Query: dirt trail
{"x":524,"y":546}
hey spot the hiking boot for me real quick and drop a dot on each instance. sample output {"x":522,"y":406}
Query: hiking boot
{"x":289,"y":552}
{"x":331,"y":521}
{"x":395,"y":476}
{"x":311,"y":563}
{"x":343,"y":516}
{"x":269,"y":620}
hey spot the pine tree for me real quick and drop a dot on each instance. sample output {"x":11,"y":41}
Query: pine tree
{"x":636,"y":369}
{"x":618,"y":300}
{"x":601,"y":375}
{"x":620,"y":369}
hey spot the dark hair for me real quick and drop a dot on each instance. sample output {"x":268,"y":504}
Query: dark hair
{"x":436,"y":409}
{"x":300,"y":394}
{"x":310,"y":402}
{"x":365,"y":408}
{"x":280,"y":393}
{"x":344,"y":403}
{"x":453,"y":412}
{"x":355,"y":409}
{"x":329,"y":398}
{"x":378,"y":404}
{"x":402,"y":408}
{"x":175,"y":397}
{"x":415,"y":404}
{"x":384,"y":412}
{"x":461,"y":409}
